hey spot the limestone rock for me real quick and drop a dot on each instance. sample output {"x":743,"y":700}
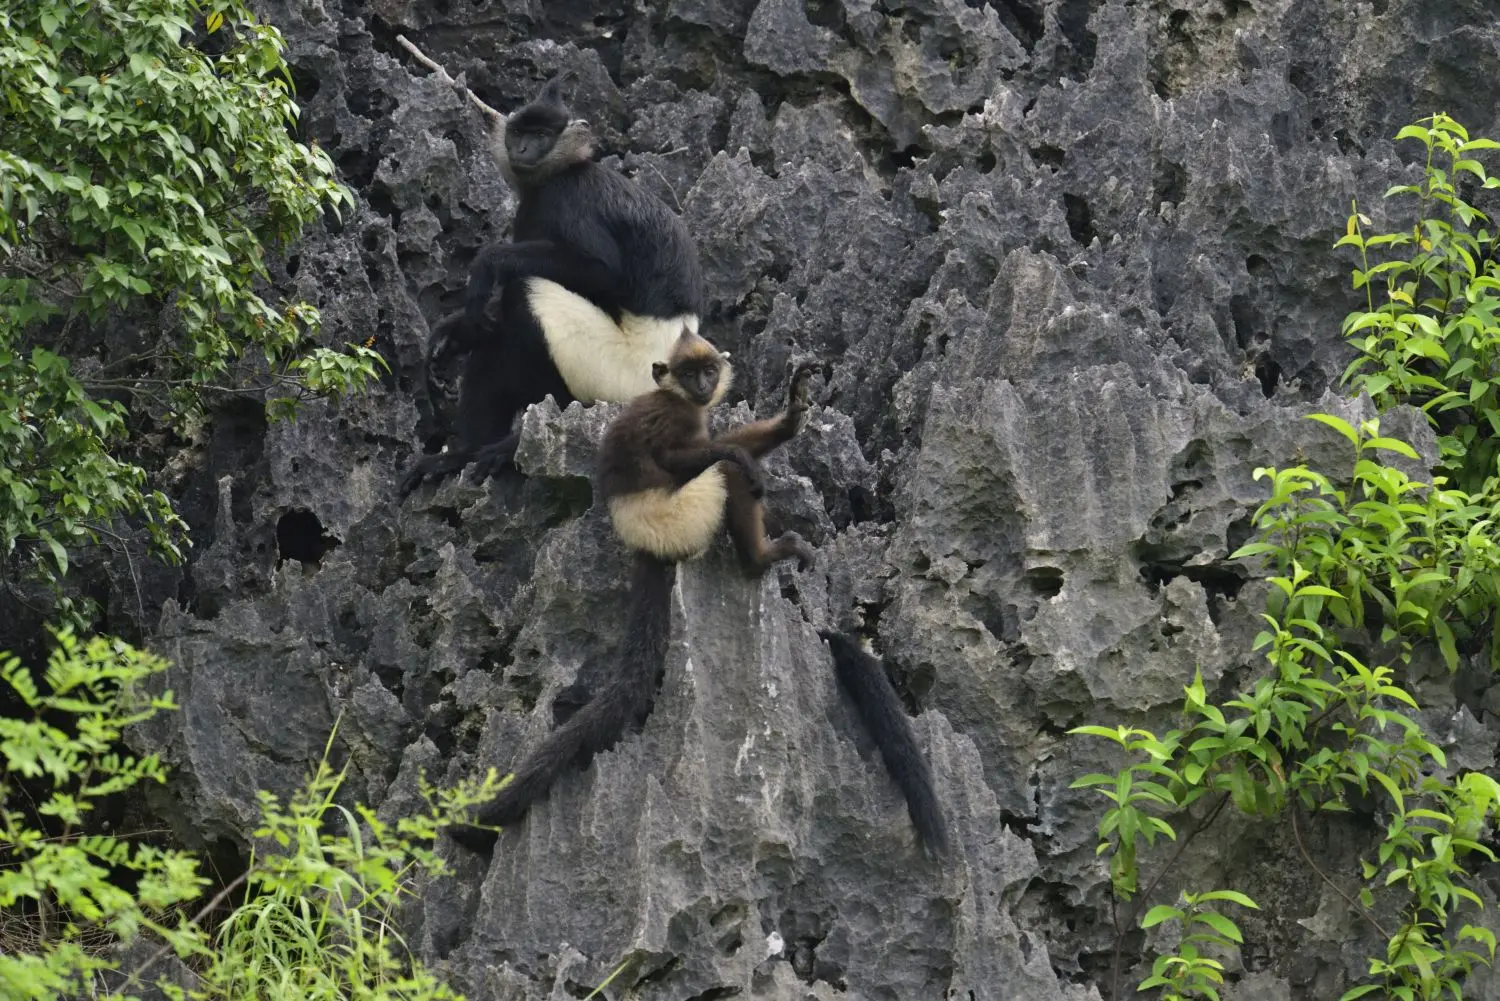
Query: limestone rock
{"x":1067,"y":268}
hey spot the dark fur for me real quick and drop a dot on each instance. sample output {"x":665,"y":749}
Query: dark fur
{"x":864,"y":678}
{"x":625,"y":701}
{"x":662,"y":441}
{"x":583,"y":226}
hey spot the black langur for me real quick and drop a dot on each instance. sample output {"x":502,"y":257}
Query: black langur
{"x":863,"y":677}
{"x":598,"y":281}
{"x":668,"y":486}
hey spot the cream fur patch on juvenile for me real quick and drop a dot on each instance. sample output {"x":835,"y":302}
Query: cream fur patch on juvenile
{"x":672,"y":524}
{"x":597,"y":358}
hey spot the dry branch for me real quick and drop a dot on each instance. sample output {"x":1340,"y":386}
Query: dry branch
{"x":447,"y":78}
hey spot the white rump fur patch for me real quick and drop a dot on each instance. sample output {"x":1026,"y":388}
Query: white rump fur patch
{"x":597,"y":358}
{"x":672,"y":524}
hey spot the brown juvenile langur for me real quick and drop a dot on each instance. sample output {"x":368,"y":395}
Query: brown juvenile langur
{"x":669,"y":487}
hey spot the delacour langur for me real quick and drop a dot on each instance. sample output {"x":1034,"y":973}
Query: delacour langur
{"x":879,"y":708}
{"x":599,"y":279}
{"x":668,"y":486}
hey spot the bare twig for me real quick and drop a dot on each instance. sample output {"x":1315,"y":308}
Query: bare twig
{"x":1297,"y":833}
{"x":446,"y":77}
{"x":1145,"y":895}
{"x":145,"y":356}
{"x":143,"y":386}
{"x":666,"y":184}
{"x":140,"y":605}
{"x":215,"y":901}
{"x":39,"y":275}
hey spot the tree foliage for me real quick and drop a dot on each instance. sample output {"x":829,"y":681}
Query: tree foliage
{"x":147,"y":162}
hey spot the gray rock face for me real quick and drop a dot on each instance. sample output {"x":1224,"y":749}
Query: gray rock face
{"x":1068,"y":264}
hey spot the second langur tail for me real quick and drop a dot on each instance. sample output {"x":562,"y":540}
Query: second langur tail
{"x":624,"y":700}
{"x":880,"y":710}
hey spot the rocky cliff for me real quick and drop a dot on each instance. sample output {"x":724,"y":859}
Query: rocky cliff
{"x":1069,"y":264}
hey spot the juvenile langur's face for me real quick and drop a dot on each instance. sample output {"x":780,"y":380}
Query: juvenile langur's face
{"x":695,"y":377}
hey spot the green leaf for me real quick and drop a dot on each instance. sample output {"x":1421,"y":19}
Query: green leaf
{"x":1160,"y":913}
{"x":1415,"y":132}
{"x":1092,"y":779}
{"x":1391,"y":788}
{"x":135,"y":232}
{"x":1393,"y":445}
{"x":96,"y":414}
{"x":1233,"y":896}
{"x":1254,"y":549}
{"x":1319,"y":590}
{"x":1472,"y":166}
{"x":1108,"y":733}
{"x":1220,"y":924}
{"x":59,"y":554}
{"x":1447,"y":643}
{"x":1338,"y":424}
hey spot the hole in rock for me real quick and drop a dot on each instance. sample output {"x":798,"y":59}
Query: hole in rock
{"x":1045,"y":581}
{"x":1080,"y":220}
{"x":300,"y":536}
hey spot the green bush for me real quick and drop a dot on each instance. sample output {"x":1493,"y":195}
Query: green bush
{"x":1321,"y":725}
{"x":320,"y":890}
{"x":147,"y":159}
{"x":318,"y":922}
{"x":1434,"y":338}
{"x":67,"y":889}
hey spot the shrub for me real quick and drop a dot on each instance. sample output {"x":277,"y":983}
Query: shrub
{"x":69,"y":891}
{"x":1414,"y":562}
{"x":320,"y":890}
{"x":1433,"y":340}
{"x":146,"y":160}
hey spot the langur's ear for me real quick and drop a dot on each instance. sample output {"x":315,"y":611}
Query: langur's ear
{"x":552,"y":90}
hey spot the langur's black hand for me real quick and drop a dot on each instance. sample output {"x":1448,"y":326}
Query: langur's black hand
{"x":450,"y":335}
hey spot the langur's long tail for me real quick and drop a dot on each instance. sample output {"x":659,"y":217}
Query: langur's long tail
{"x":451,"y":326}
{"x":878,"y":707}
{"x":626,"y":699}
